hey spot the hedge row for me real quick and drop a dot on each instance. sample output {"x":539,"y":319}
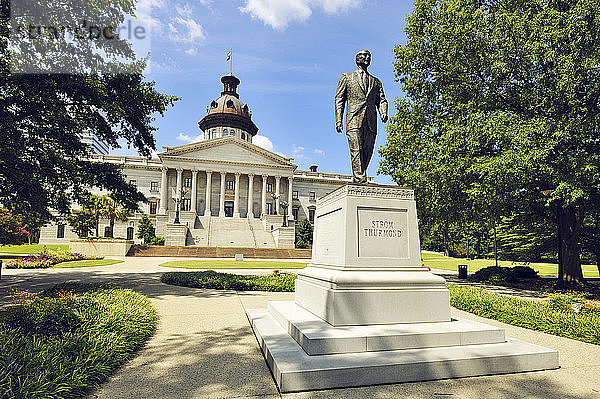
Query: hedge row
{"x":65,"y":342}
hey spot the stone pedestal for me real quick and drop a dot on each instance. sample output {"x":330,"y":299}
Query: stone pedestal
{"x":366,"y":312}
{"x":366,"y":263}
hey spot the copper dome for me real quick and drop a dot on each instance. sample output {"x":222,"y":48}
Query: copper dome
{"x":228,"y":110}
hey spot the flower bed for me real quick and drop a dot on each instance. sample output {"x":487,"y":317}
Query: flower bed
{"x":64,"y":342}
{"x":46,"y":259}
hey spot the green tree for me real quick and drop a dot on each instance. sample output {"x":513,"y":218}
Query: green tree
{"x":304,"y":238}
{"x":44,"y":164}
{"x":12,"y":230}
{"x":502,"y":97}
{"x":112,"y":209}
{"x":82,"y":221}
{"x":146,"y":230}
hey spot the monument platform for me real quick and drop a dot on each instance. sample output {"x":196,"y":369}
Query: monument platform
{"x":366,"y":312}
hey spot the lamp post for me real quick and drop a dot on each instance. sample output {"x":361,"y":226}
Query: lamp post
{"x":284,"y":206}
{"x":178,"y":199}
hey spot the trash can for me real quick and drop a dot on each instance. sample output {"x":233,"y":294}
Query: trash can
{"x":462,"y":271}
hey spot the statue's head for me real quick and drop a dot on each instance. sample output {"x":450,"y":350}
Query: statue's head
{"x":363,"y":58}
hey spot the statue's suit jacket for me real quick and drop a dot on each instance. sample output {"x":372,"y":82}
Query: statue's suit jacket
{"x":363,"y":102}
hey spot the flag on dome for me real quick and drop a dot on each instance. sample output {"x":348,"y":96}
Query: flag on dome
{"x":228,"y":56}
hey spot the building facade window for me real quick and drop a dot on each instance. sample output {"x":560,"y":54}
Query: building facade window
{"x":154,"y":186}
{"x":269,"y":187}
{"x":187,"y":182}
{"x":153,"y":206}
{"x":60,"y":231}
{"x":186,"y":204}
{"x":312,"y":196}
{"x":230,"y":184}
{"x":295,"y":213}
{"x":311,"y":215}
{"x":294,"y":194}
{"x":133,"y":183}
{"x":243,"y":136}
{"x":269,"y":208}
{"x":130,"y":233}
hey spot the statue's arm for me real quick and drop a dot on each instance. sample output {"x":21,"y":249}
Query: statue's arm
{"x":341,"y":95}
{"x":383,"y":104}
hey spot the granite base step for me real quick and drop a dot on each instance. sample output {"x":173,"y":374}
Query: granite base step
{"x":317,"y":337}
{"x":295,"y":370}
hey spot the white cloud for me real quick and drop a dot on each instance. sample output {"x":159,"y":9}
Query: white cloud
{"x":297,"y":151}
{"x":189,"y":30}
{"x":263,"y":141}
{"x":191,"y":51}
{"x":144,"y":10}
{"x":280,"y":13}
{"x":319,"y":151}
{"x":184,"y":11}
{"x":190,"y":139}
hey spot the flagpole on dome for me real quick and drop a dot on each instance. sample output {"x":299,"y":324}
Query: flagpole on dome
{"x":230,"y":59}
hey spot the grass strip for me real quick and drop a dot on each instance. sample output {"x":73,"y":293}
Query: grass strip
{"x":88,"y":263}
{"x":65,"y":342}
{"x":30,"y":248}
{"x":557,"y":316}
{"x":277,"y":282}
{"x":232,"y":264}
{"x":543,"y":269}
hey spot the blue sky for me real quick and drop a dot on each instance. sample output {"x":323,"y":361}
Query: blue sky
{"x":289,"y":55}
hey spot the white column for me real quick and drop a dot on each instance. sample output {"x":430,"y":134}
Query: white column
{"x":250,"y":194}
{"x":222,"y":196}
{"x":194,"y":190}
{"x":277,"y":194}
{"x":164,"y":192}
{"x":290,"y":198}
{"x":179,"y":175}
{"x":236,"y":196}
{"x":264,"y":195}
{"x":208,"y":192}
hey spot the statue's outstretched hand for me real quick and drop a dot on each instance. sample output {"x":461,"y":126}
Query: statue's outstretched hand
{"x":339,"y":129}
{"x":384,"y":118}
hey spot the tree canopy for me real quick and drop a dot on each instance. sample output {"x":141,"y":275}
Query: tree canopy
{"x":501,"y":112}
{"x":43,"y":162}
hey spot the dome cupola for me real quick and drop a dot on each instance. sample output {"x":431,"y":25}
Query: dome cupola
{"x":227,"y":115}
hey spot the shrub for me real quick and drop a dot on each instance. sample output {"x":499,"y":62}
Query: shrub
{"x":557,"y":316}
{"x":281,"y":282}
{"x":157,"y":240}
{"x":64,"y":342}
{"x":46,"y":259}
{"x":498,"y":274}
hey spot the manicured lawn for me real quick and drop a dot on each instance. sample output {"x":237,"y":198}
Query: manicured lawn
{"x":29,"y":249}
{"x":232,"y":264}
{"x":425,"y":255}
{"x":543,"y":269}
{"x":65,"y":342}
{"x":88,"y":263}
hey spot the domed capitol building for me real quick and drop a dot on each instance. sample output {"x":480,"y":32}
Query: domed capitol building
{"x":233,"y":190}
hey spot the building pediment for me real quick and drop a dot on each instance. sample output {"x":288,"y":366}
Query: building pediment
{"x":226,"y":149}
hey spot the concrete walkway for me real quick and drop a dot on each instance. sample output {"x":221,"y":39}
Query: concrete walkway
{"x":204,"y":347}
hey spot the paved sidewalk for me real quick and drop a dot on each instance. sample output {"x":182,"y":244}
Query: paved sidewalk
{"x":204,"y":348}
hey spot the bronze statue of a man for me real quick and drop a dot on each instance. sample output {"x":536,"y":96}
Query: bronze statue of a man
{"x":364,"y":94}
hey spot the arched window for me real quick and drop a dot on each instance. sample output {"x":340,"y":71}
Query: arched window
{"x":230,"y":104}
{"x":243,"y":136}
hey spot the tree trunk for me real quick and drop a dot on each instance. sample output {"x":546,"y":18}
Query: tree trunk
{"x":569,"y":231}
{"x":97,"y":223}
{"x":495,"y":245}
{"x":446,"y":248}
{"x":112,"y":227}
